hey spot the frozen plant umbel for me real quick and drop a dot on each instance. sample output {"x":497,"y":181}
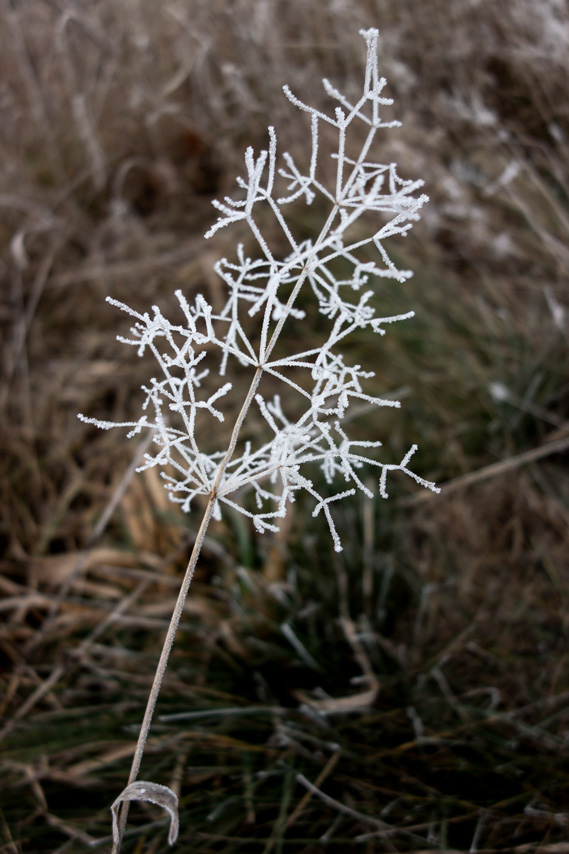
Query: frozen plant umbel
{"x":306,"y":426}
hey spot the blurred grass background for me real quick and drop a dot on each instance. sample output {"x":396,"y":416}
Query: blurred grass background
{"x":410,"y":694}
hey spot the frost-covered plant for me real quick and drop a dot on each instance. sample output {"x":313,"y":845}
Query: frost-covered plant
{"x":306,"y":425}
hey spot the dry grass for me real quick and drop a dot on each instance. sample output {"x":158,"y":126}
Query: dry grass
{"x":411,"y":696}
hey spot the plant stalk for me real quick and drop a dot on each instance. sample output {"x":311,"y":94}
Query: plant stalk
{"x":179,"y":607}
{"x":184,"y":589}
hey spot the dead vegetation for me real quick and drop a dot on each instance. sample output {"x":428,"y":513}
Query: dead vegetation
{"x":411,"y":695}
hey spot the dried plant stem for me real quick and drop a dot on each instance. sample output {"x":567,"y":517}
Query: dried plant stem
{"x":189,"y":574}
{"x":190,"y":569}
{"x":184,"y":589}
{"x":269,"y":286}
{"x":179,"y":608}
{"x":162,"y":665}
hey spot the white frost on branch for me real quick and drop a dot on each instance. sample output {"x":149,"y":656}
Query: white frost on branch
{"x":336,"y":272}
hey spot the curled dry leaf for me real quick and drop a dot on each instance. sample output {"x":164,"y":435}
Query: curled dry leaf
{"x":154,"y":793}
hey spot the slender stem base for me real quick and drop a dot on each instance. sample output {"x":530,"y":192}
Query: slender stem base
{"x":163,"y":664}
{"x":179,"y":607}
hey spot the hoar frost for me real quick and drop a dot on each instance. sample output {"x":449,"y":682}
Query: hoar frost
{"x":336,"y":269}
